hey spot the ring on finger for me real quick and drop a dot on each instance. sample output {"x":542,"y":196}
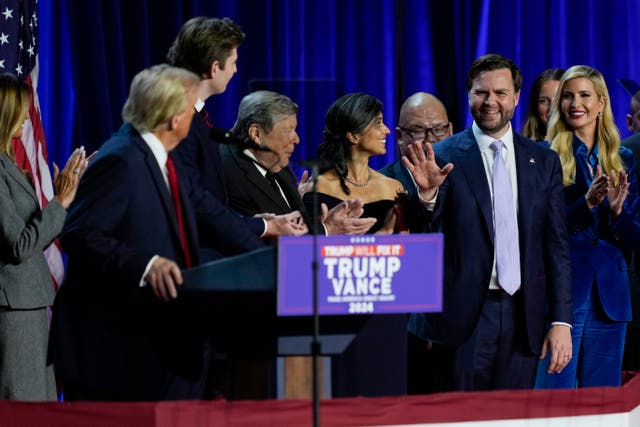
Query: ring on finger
{"x":76,"y":171}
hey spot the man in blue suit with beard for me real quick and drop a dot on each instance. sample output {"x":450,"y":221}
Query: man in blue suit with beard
{"x":506,"y":261}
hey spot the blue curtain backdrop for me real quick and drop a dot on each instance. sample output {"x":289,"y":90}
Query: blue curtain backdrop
{"x":317,"y":50}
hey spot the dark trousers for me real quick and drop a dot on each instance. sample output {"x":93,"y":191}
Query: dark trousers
{"x":178,"y":389}
{"x":497,"y":355}
{"x":429,"y":366}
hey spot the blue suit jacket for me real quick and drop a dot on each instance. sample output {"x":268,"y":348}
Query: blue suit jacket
{"x":200,"y":156}
{"x":398,"y":171}
{"x":597,"y":245}
{"x":464,"y":212}
{"x":109,"y":332}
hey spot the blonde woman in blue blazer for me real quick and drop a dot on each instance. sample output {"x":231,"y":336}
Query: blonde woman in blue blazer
{"x":600,"y":189}
{"x":26,"y":287}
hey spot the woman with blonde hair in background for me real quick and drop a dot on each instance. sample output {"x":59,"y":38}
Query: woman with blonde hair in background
{"x":26,"y":287}
{"x":600,"y":188}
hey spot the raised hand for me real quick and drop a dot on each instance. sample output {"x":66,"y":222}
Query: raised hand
{"x":426,"y":172}
{"x":598,"y":189}
{"x":65,"y":181}
{"x":617,"y":193}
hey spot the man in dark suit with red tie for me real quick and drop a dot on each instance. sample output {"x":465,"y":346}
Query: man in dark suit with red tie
{"x":484,"y":181}
{"x":118,"y":331}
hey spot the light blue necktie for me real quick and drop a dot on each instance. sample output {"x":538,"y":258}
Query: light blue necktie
{"x":504,"y":225}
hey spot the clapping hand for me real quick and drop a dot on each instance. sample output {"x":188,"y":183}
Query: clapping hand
{"x":65,"y":181}
{"x":290,"y":224}
{"x":305,"y":184}
{"x":344,"y":218}
{"x":617,"y":193}
{"x":598,"y":189}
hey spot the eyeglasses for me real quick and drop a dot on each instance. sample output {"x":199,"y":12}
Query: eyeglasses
{"x":420,"y":133}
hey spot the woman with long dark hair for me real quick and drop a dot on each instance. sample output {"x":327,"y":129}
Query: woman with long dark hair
{"x":354,"y":131}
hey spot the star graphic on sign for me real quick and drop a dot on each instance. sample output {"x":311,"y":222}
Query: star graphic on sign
{"x":4,"y":39}
{"x":2,"y":63}
{"x":19,"y":70}
{"x":7,"y":13}
{"x":21,"y":45}
{"x":30,"y":50}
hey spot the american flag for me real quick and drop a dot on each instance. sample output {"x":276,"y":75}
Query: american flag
{"x":19,"y":56}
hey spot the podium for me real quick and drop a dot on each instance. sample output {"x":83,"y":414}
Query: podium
{"x":244,"y":288}
{"x":237,"y":297}
{"x":384,"y":276}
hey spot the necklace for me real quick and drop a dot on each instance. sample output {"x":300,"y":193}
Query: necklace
{"x":359,"y":184}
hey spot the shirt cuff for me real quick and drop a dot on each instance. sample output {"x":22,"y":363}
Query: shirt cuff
{"x":324,"y":229}
{"x":428,"y":204}
{"x":143,"y":283}
{"x":562,"y":323}
{"x":265,"y":228}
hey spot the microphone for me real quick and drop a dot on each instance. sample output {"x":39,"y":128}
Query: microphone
{"x":225,"y":136}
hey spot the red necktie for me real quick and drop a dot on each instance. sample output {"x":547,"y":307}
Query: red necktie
{"x":205,"y":117}
{"x":175,"y":197}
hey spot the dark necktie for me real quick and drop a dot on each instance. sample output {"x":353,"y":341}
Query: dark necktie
{"x":272,"y":180}
{"x":175,"y":198}
{"x":505,"y":227}
{"x":271,"y":177}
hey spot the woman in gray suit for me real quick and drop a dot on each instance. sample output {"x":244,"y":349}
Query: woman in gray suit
{"x":26,"y":287}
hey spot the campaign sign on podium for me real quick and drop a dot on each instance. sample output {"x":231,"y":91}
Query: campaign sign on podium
{"x":361,"y":274}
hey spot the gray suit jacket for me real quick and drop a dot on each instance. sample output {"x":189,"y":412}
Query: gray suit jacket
{"x":25,"y":231}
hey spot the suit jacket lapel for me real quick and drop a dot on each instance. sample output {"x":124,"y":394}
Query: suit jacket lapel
{"x":406,"y":179}
{"x":188,"y":216}
{"x":258,"y":180}
{"x":158,"y":180}
{"x":14,"y":172}
{"x":525,"y":166}
{"x":213,"y":148}
{"x":471,"y":164}
{"x":287,"y":181}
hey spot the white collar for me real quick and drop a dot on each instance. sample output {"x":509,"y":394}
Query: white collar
{"x":199,"y":105}
{"x":484,"y":140}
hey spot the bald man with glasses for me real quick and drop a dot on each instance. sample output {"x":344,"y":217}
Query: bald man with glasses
{"x":422,"y":118}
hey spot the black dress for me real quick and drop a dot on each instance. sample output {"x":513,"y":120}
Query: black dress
{"x":375,"y":363}
{"x":378,"y":209}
